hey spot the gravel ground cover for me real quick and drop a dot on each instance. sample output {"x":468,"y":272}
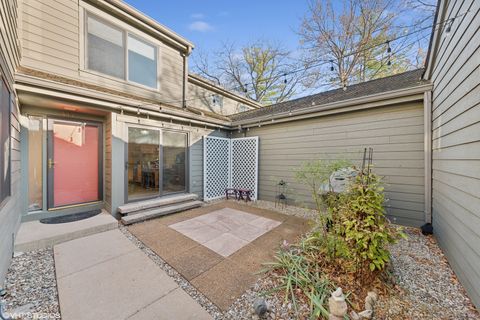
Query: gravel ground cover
{"x":427,"y":287}
{"x":31,"y":286}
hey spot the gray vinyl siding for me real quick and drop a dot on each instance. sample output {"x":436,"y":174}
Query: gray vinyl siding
{"x":9,"y":57}
{"x":395,"y":133}
{"x":456,"y":144}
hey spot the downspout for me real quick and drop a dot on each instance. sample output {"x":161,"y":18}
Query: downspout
{"x":185,"y":77}
{"x":427,"y":124}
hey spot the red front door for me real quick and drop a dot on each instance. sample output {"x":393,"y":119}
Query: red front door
{"x":74,"y":163}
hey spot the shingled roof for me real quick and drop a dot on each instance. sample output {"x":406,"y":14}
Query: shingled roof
{"x":400,"y":81}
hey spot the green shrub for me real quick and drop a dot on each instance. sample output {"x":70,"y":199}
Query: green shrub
{"x":315,"y":174}
{"x":362,"y":223}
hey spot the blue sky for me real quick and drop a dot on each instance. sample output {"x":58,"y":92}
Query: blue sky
{"x":209,"y":22}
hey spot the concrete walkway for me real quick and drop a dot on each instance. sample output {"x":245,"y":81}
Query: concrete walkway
{"x":105,"y":276}
{"x":34,"y":235}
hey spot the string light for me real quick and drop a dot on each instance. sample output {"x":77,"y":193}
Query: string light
{"x":285,"y":80}
{"x":448,"y":30}
{"x":448,"y":23}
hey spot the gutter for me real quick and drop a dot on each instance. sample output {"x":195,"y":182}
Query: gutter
{"x":427,"y":127}
{"x":93,"y":98}
{"x":166,"y":33}
{"x":434,"y":40}
{"x":199,"y":81}
{"x":371,"y":101}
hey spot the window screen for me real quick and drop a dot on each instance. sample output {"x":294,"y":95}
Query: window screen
{"x":142,"y":62}
{"x":105,"y":48}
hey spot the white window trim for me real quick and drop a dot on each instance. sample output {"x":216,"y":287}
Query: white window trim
{"x":85,"y":11}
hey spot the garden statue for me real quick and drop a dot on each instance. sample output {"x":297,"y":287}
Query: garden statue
{"x":340,"y":179}
{"x":260,"y":307}
{"x":337,"y":305}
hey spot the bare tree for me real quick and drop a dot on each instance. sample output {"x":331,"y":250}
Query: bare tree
{"x":352,"y":38}
{"x":262,"y":71}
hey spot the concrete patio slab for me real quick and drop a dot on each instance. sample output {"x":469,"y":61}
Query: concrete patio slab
{"x":221,"y":278}
{"x":173,"y":306}
{"x":193,"y":262}
{"x":224,"y":283}
{"x":34,"y":235}
{"x":115,"y":283}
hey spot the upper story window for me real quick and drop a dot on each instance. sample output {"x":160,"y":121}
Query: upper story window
{"x":105,"y":48}
{"x":142,"y":62}
{"x":217,"y":100}
{"x":117,"y":53}
{"x":242,"y":108}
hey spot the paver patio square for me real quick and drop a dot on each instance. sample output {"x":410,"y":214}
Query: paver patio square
{"x":195,"y":261}
{"x":173,"y":306}
{"x":226,"y":244}
{"x":248,"y":232}
{"x":264,"y":223}
{"x":239,"y":216}
{"x":224,"y":283}
{"x":187,"y":226}
{"x":202,"y":233}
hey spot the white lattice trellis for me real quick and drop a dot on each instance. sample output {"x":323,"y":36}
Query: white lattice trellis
{"x":244,"y":167}
{"x":229,"y":163}
{"x":216,"y":167}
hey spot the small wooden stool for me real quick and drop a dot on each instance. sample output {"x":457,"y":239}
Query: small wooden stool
{"x":244,"y":194}
{"x":231,"y":192}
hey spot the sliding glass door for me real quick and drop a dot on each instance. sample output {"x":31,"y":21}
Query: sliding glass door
{"x":174,"y":161}
{"x":156,"y":163}
{"x":143,"y":163}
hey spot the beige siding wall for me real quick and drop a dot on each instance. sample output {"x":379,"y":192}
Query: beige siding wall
{"x":394,"y":132}
{"x":456,"y":144}
{"x":201,"y":98}
{"x":53,"y":41}
{"x":9,"y":57}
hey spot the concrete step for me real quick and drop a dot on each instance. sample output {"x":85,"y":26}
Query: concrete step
{"x":131,"y":208}
{"x":158,"y":212}
{"x":35,"y":235}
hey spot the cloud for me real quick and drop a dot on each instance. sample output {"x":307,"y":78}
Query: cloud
{"x":200,"y":26}
{"x":197,"y":16}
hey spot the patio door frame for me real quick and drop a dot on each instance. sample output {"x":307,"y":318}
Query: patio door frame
{"x":160,"y":193}
{"x":50,"y":157}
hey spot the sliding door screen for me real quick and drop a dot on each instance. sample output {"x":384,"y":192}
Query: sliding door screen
{"x":143,"y":163}
{"x":174,"y":161}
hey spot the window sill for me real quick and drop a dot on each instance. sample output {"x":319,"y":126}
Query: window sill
{"x":120,"y":83}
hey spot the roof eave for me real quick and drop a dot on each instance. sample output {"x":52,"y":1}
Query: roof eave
{"x":107,"y":101}
{"x":434,"y":39}
{"x":375,"y":100}
{"x":195,"y":79}
{"x":127,"y":10}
